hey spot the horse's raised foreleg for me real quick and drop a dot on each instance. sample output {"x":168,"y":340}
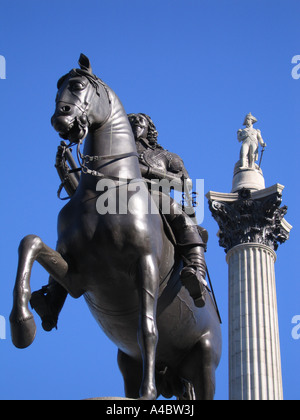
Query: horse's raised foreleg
{"x":31,"y":249}
{"x":147,"y":334}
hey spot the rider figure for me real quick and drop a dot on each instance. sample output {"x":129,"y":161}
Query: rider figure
{"x":49,"y":301}
{"x":190,"y":242}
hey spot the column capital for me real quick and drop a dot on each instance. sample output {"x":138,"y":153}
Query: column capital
{"x":250,"y":217}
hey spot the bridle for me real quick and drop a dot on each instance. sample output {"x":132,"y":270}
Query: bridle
{"x":84,"y":160}
{"x":82,"y":120}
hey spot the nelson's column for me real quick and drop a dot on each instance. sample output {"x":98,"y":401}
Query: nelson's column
{"x":252,"y":225}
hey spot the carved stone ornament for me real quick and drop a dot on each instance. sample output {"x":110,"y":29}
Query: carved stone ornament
{"x":251,"y":220}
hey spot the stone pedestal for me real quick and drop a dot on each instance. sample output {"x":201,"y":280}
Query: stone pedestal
{"x":251,"y":226}
{"x":249,"y":178}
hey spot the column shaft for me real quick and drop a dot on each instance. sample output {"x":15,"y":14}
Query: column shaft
{"x":254,"y":350}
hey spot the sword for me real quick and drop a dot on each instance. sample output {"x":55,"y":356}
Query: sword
{"x":261,"y":156}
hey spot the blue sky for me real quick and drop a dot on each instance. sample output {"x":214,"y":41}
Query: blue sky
{"x":197,"y":67}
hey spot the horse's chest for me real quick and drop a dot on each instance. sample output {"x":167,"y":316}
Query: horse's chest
{"x":104,"y":240}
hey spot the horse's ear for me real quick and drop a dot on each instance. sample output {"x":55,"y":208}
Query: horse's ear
{"x":84,"y":63}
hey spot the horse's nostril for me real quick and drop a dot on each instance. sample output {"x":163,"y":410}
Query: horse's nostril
{"x":66,"y":108}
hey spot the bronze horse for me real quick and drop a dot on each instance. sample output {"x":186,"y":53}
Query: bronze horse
{"x":125,"y":265}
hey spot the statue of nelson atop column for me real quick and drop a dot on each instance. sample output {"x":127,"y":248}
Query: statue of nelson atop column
{"x":250,"y":138}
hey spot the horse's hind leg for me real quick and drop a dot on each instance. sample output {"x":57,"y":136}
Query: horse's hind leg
{"x":199,"y":367}
{"x":205,"y":381}
{"x":31,"y":249}
{"x":147,"y":334}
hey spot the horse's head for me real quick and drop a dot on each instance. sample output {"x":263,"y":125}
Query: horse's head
{"x":82,"y":102}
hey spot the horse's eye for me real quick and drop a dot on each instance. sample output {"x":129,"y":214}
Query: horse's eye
{"x":77,"y":86}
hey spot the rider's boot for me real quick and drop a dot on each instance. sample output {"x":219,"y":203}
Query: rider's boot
{"x":193,"y":274}
{"x":48,"y":303}
{"x":191,"y":246}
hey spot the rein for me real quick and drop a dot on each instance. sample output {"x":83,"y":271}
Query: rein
{"x":83,"y":160}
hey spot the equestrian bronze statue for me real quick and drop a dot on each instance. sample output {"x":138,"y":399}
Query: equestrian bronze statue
{"x":125,"y":264}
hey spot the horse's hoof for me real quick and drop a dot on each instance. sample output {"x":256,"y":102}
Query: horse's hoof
{"x":23,"y":332}
{"x":149,"y":396}
{"x":41,"y":303}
